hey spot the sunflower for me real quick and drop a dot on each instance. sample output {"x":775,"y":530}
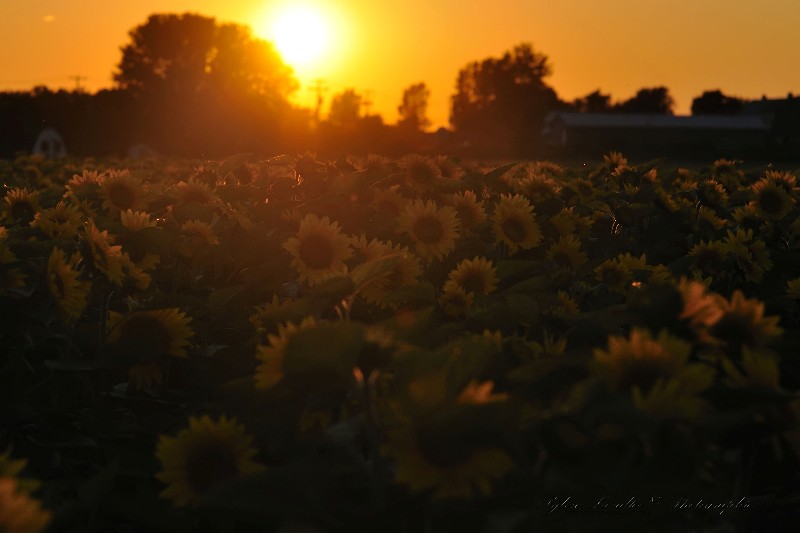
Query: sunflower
{"x":455,"y":301}
{"x":389,"y":202}
{"x":477,"y":393}
{"x":614,"y":274}
{"x":771,"y":200}
{"x":758,"y":369}
{"x":655,"y":372}
{"x":469,"y":209}
{"x":270,"y":371}
{"x":59,"y":222}
{"x":433,"y":230}
{"x":21,"y":205}
{"x":449,"y":168}
{"x":204,"y":455}
{"x":319,"y":250}
{"x":440,"y":457}
{"x":537,"y":187}
{"x":136,"y":220}
{"x":122,"y":191}
{"x":708,"y":220}
{"x":369,"y":250}
{"x":198,"y":234}
{"x":102,"y":254}
{"x":515,"y":224}
{"x":19,"y":513}
{"x":708,"y":257}
{"x":151,"y":333}
{"x":67,"y":290}
{"x":567,"y":222}
{"x":751,"y":255}
{"x":420,"y":172}
{"x":713,"y":194}
{"x":740,"y":322}
{"x":194,"y":191}
{"x":563,"y":305}
{"x":567,"y":253}
{"x":137,"y":271}
{"x":474,"y":276}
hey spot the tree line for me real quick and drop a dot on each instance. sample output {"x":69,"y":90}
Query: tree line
{"x":189,"y":85}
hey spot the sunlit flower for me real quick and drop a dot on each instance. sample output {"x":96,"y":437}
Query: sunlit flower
{"x":202,"y":456}
{"x":194,"y":191}
{"x":741,"y":322}
{"x":751,"y":255}
{"x":389,"y":202}
{"x":567,"y":222}
{"x":475,"y":276}
{"x":121,"y":191}
{"x":270,"y":371}
{"x":367,"y":249}
{"x":515,"y":224}
{"x":319,"y":250}
{"x":67,"y":290}
{"x":152,"y":332}
{"x":19,"y":512}
{"x":470,"y":210}
{"x":567,"y":253}
{"x":199,"y":233}
{"x":708,"y":220}
{"x":21,"y":205}
{"x":59,"y":222}
{"x":537,"y":187}
{"x":421,"y":172}
{"x":708,"y":257}
{"x":713,"y":194}
{"x":655,"y":372}
{"x":477,"y":393}
{"x":433,"y":230}
{"x":771,"y":200}
{"x":136,"y":220}
{"x":102,"y":254}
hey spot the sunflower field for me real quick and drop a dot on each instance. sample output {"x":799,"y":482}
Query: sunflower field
{"x":421,"y":344}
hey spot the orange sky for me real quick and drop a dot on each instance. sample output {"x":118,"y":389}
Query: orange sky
{"x":617,"y":46}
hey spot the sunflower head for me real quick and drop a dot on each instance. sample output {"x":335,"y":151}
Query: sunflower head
{"x":153,"y":333}
{"x":469,"y":209}
{"x":713,"y":194}
{"x":708,"y":257}
{"x":319,"y":249}
{"x":475,"y":276}
{"x":566,"y":253}
{"x":59,"y":222}
{"x":433,"y":230}
{"x":421,"y":172}
{"x":21,"y":205}
{"x":11,"y":277}
{"x":68,"y":291}
{"x":455,"y":301}
{"x":121,"y":191}
{"x":101,"y":254}
{"x":271,"y":355}
{"x":740,"y":322}
{"x":515,"y":224}
{"x":202,"y":456}
{"x":771,"y":199}
{"x":388,"y":201}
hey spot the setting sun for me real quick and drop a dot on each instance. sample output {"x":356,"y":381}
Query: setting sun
{"x":302,"y":34}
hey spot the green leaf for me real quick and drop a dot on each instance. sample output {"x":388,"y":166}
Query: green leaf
{"x":331,"y":347}
{"x":220,"y":298}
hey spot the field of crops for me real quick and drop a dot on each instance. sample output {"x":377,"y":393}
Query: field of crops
{"x":418,"y":344}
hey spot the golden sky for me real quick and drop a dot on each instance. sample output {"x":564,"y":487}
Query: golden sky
{"x":742,"y":47}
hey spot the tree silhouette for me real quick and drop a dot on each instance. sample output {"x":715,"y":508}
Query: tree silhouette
{"x":716,"y":103}
{"x":203,"y":87}
{"x":656,"y":100}
{"x":191,"y":53}
{"x":594,"y":102}
{"x":414,"y":107}
{"x":345,"y":108}
{"x":501,"y":103}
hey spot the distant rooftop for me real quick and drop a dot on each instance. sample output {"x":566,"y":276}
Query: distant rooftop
{"x":631,"y":120}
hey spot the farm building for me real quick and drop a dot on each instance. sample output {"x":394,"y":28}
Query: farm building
{"x":644,"y":132}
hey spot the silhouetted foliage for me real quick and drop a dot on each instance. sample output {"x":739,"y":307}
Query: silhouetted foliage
{"x":345,"y":108}
{"x":203,"y":86}
{"x":594,"y":102}
{"x":500,"y":103}
{"x":716,"y":103}
{"x":414,"y":107}
{"x":656,"y":100}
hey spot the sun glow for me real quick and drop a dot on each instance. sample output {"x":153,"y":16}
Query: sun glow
{"x":302,"y":33}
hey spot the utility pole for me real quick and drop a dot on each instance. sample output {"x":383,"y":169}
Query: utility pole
{"x":367,"y":102}
{"x":78,"y":78}
{"x":319,"y":88}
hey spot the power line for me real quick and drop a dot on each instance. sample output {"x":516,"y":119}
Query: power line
{"x":319,"y":88}
{"x":78,"y":79}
